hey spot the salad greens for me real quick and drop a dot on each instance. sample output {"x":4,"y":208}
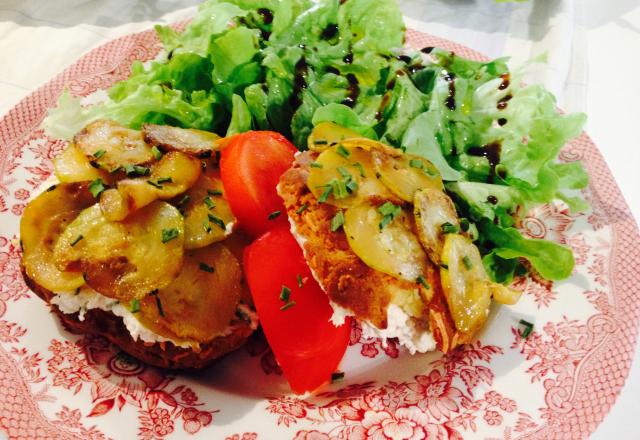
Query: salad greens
{"x":287,"y":65}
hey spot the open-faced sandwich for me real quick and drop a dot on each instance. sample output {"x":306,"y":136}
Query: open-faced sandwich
{"x":385,"y":242}
{"x":135,"y":243}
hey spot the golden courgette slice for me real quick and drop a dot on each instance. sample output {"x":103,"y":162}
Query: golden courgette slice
{"x":207,"y":214}
{"x":73,"y":166}
{"x":326,"y":134}
{"x":43,"y":220}
{"x":200,"y":303}
{"x":465,"y":283}
{"x":405,"y":174}
{"x":174,"y":174}
{"x":190,"y":141}
{"x":344,"y":176}
{"x":435,"y":216}
{"x":128,"y":259}
{"x":111,"y":146}
{"x":391,"y":248}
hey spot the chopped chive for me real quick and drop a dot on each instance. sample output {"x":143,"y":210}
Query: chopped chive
{"x":207,"y":226}
{"x":321,"y":142}
{"x":299,"y":279}
{"x":158,"y":303}
{"x":339,"y":188}
{"x":76,"y":240}
{"x":51,"y":188}
{"x":351,"y":185}
{"x":302,"y":208}
{"x":337,"y":376}
{"x":206,"y":268}
{"x":421,"y":280}
{"x":444,"y":266}
{"x":360,"y":168}
{"x":183,"y":201}
{"x":315,"y":165}
{"x":96,"y":187}
{"x":285,"y":294}
{"x":217,"y":221}
{"x":115,"y":170}
{"x":98,"y":154}
{"x":389,"y":212}
{"x":528,"y":328}
{"x":169,"y":234}
{"x":342,"y":151}
{"x":207,"y":201}
{"x":288,"y":305}
{"x":165,"y":180}
{"x":136,"y":170}
{"x":325,"y":194}
{"x":154,"y":184}
{"x":337,"y":221}
{"x":156,"y":152}
{"x":344,"y":173}
{"x":274,"y":215}
{"x":448,"y":228}
{"x":467,"y":262}
{"x":214,"y":192}
{"x":135,"y":306}
{"x":464,"y":225}
{"x":416,"y":163}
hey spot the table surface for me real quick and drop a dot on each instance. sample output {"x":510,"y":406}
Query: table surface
{"x":592,"y":66}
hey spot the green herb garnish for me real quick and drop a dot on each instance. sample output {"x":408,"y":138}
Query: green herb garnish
{"x":421,"y":280}
{"x":285,"y":294}
{"x":526,"y":331}
{"x":302,"y":208}
{"x":209,"y":202}
{"x":136,"y":170}
{"x":214,"y":192}
{"x":467,"y":262}
{"x":76,"y":240}
{"x":342,"y":151}
{"x":360,"y":168}
{"x":288,"y":305}
{"x":299,"y":279}
{"x":337,"y":221}
{"x":135,"y":306}
{"x":98,"y":154}
{"x":207,"y":227}
{"x":389,"y":212}
{"x":158,"y":303}
{"x":217,"y":221}
{"x":156,"y":152}
{"x":206,"y":268}
{"x":416,"y":163}
{"x":337,"y":376}
{"x":154,"y":184}
{"x":96,"y":187}
{"x":274,"y":215}
{"x":169,"y":234}
{"x":448,"y":228}
{"x":315,"y":165}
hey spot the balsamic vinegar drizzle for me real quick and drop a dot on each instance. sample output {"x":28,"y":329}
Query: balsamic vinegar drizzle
{"x":492,"y":153}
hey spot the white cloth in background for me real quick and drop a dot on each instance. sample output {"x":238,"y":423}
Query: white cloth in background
{"x":585,"y":40}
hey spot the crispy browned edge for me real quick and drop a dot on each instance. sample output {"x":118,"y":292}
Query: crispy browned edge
{"x":163,"y":355}
{"x":346,"y":279}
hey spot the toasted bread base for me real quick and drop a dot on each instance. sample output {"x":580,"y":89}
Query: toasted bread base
{"x":159,"y":354}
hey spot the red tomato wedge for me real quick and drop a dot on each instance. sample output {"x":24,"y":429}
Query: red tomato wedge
{"x":306,"y":344}
{"x":250,"y":167}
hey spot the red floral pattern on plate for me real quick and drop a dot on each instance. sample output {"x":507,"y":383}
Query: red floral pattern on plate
{"x":560,"y":382}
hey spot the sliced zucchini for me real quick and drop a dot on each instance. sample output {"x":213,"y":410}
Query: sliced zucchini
{"x":207,"y":214}
{"x":111,"y":146}
{"x":392,"y":248}
{"x":404,"y":174}
{"x":201,"y":302}
{"x":465,"y":283}
{"x":43,"y":220}
{"x":128,"y":259}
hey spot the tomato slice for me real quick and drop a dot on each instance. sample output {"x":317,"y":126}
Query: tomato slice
{"x":250,"y":167}
{"x":306,"y":344}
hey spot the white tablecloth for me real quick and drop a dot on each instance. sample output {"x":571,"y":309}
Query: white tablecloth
{"x":593,"y":66}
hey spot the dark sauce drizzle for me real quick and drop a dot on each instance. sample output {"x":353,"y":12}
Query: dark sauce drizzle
{"x":492,"y":199}
{"x":502,"y":104}
{"x":354,"y":91}
{"x":267,"y":15}
{"x":331,"y":69}
{"x":331,"y":31}
{"x":348,"y":58}
{"x":299,"y":82}
{"x":506,"y":81}
{"x":502,"y":121}
{"x":450,"y":102}
{"x":492,"y":153}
